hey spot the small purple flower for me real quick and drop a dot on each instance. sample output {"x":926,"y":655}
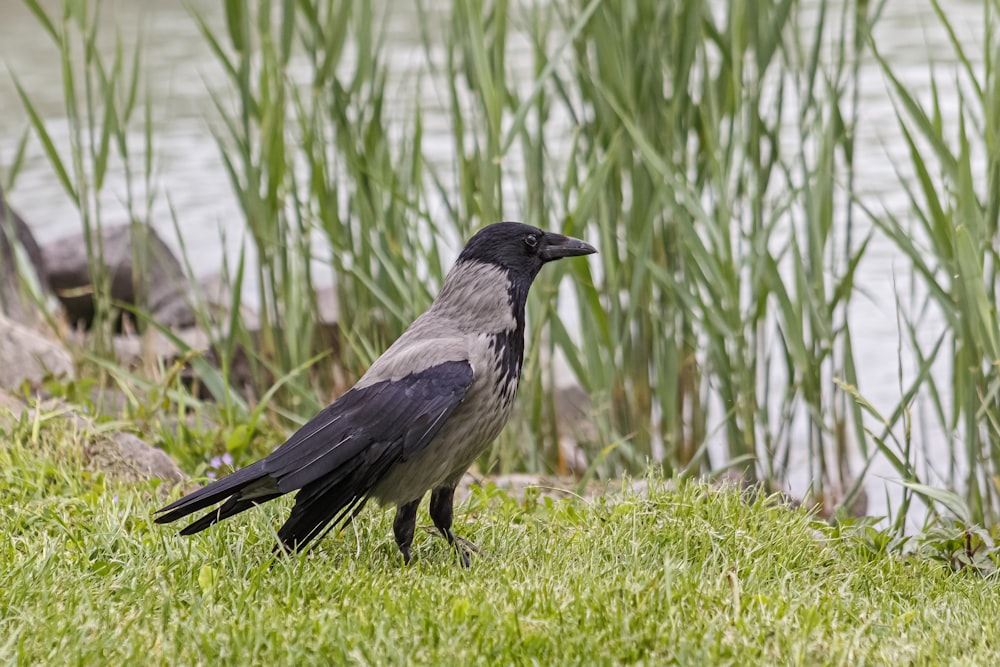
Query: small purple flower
{"x":224,"y":460}
{"x":217,"y":463}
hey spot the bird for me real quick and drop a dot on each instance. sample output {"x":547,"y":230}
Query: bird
{"x":420,"y":415}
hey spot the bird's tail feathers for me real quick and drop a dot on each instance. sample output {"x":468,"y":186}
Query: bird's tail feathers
{"x":328,"y":503}
{"x":244,"y":488}
{"x":231,"y":507}
{"x":310,"y":523}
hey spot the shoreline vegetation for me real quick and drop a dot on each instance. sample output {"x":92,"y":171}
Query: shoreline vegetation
{"x":709,"y":154}
{"x":683,"y":574}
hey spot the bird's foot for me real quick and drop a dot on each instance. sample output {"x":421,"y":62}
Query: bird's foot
{"x":462,"y":546}
{"x":466,"y":544}
{"x":463,"y":555}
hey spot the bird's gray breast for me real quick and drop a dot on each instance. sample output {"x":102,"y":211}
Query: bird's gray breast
{"x":477,"y":317}
{"x":475,"y":423}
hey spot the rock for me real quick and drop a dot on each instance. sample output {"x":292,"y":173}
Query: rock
{"x":557,"y":487}
{"x":241,"y":372}
{"x":126,"y":458}
{"x":25,"y":354}
{"x":147,"y":350}
{"x":10,"y":402}
{"x":11,"y":408}
{"x":153,"y":349}
{"x":15,"y":301}
{"x":216,"y":293}
{"x":516,"y":485}
{"x":328,"y":320}
{"x":326,"y":305}
{"x":575,"y":428}
{"x":121,"y":456}
{"x":23,"y":233}
{"x":159,"y":287}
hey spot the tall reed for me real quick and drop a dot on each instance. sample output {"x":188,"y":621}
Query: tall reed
{"x":102,"y":99}
{"x":722,"y":296}
{"x":949,"y":236}
{"x":707,"y":149}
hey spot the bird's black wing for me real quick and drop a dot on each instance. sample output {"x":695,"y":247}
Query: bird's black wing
{"x":391,"y":418}
{"x":340,"y":454}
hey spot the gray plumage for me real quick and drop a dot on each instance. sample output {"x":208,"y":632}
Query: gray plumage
{"x":420,"y":415}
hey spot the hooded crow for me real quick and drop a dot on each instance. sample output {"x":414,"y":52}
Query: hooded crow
{"x":418,"y":418}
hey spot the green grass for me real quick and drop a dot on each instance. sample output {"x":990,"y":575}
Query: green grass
{"x":688,"y":576}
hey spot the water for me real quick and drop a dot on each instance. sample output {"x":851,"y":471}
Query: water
{"x":181,"y":74}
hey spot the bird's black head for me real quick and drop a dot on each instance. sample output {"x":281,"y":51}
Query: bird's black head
{"x":521,"y":249}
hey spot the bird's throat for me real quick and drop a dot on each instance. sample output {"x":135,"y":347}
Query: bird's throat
{"x":508,"y":345}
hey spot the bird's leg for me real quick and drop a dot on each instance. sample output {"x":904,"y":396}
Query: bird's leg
{"x":403,"y":526}
{"x":441,"y":510}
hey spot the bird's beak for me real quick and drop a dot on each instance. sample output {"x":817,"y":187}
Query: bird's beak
{"x":558,"y":246}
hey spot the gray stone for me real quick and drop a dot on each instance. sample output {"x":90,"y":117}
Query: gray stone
{"x":126,"y":458}
{"x":328,"y":320}
{"x":149,"y":349}
{"x":576,"y":429}
{"x":15,"y":302}
{"x":152,"y":349}
{"x":159,"y":286}
{"x":216,"y":293}
{"x":326,"y":305}
{"x":28,"y":355}
{"x":11,"y":408}
{"x":121,"y":456}
{"x":557,"y":487}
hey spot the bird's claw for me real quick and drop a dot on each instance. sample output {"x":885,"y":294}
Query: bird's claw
{"x":463,"y":547}
{"x":468,"y":544}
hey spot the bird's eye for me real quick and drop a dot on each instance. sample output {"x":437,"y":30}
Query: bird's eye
{"x":531,"y":240}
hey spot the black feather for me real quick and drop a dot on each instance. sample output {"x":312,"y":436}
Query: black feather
{"x":339,"y":455}
{"x":231,"y":507}
{"x":216,"y":491}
